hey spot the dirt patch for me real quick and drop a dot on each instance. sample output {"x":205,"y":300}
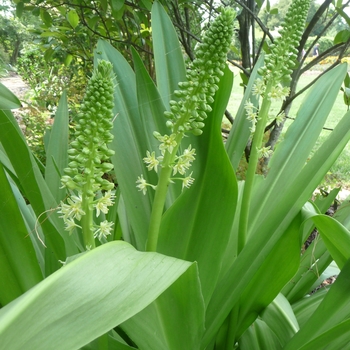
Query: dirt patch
{"x":15,"y":83}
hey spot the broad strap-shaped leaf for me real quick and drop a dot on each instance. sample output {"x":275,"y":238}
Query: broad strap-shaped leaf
{"x":305,"y":307}
{"x":56,"y":154}
{"x":36,"y":192}
{"x":282,"y":263}
{"x":7,"y":99}
{"x":87,"y":297}
{"x":259,"y":336}
{"x":292,"y":153}
{"x":279,"y":316}
{"x":175,"y":320}
{"x":197,"y":226}
{"x":168,"y":55}
{"x":275,"y":221}
{"x":329,"y":318}
{"x":335,"y":236}
{"x":19,"y":269}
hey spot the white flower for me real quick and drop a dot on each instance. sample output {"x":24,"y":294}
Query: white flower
{"x":168,"y":143}
{"x":280,"y":118}
{"x":279,"y":92}
{"x":70,"y":225}
{"x":265,"y":152}
{"x":187,"y":181}
{"x":72,"y":210}
{"x":103,"y":230}
{"x":104,"y":202}
{"x":151,"y":161}
{"x":142,"y":184}
{"x":250,"y":111}
{"x":184,"y":161}
{"x":259,"y":88}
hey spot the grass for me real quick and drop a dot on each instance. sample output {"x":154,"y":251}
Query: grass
{"x":339,"y":174}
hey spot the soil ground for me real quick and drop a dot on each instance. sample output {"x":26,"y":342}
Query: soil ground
{"x":15,"y":83}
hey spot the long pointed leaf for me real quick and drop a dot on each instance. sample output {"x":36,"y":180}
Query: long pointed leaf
{"x":35,"y":190}
{"x":190,"y":228}
{"x":7,"y":99}
{"x":175,"y":320}
{"x":57,"y":151}
{"x":168,"y":56}
{"x":87,"y":297}
{"x":332,"y":311}
{"x":19,"y":268}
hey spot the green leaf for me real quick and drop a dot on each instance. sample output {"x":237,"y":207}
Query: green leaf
{"x":87,"y":297}
{"x":343,"y":14}
{"x":280,"y":209}
{"x":117,"y":5}
{"x":56,"y":154}
{"x":129,"y":143}
{"x":175,"y":320}
{"x":19,"y":9}
{"x":335,"y":236}
{"x":240,"y":132}
{"x":329,"y":318}
{"x":7,"y":99}
{"x":193,"y":218}
{"x":337,"y":337}
{"x":279,"y":316}
{"x":73,"y":18}
{"x":305,"y":307}
{"x":292,"y":153}
{"x":45,"y":17}
{"x":342,"y":37}
{"x":282,"y":263}
{"x":259,"y":336}
{"x":19,"y":269}
{"x":168,"y":56}
{"x":35,"y":191}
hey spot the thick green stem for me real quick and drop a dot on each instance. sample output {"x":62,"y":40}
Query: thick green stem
{"x":250,"y":176}
{"x":160,"y":196}
{"x":87,"y":219}
{"x":87,"y":223}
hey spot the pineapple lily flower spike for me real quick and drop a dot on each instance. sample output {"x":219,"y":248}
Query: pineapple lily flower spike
{"x":187,"y":115}
{"x":89,"y":160}
{"x":276,"y":71}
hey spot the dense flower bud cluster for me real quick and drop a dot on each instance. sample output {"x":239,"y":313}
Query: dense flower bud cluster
{"x":88,"y":153}
{"x":89,"y":159}
{"x":195,"y":94}
{"x":194,"y":98}
{"x":282,"y":59}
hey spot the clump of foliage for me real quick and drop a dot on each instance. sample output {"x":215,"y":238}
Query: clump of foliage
{"x":47,"y":79}
{"x":205,"y":261}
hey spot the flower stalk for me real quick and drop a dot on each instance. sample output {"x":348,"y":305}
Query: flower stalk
{"x":187,"y":115}
{"x":275,"y":74}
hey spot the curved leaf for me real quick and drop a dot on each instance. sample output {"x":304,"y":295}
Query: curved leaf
{"x":19,"y":269}
{"x":87,"y":297}
{"x":330,"y":316}
{"x":197,"y":226}
{"x":168,"y":56}
{"x":7,"y":99}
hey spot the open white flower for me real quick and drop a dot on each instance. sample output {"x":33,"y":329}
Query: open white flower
{"x":151,"y":161}
{"x":103,"y":230}
{"x":104,"y":202}
{"x":142,"y":184}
